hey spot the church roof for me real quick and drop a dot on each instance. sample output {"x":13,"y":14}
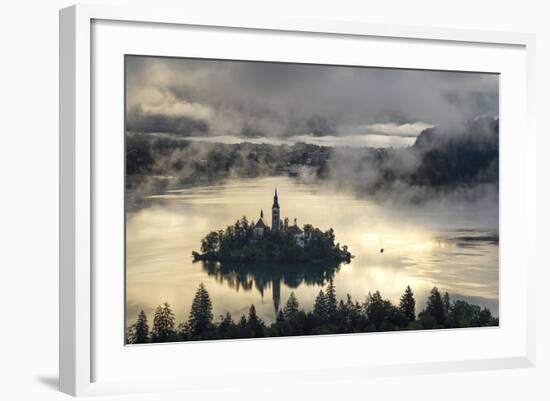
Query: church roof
{"x":295,"y":230}
{"x":260,"y":224}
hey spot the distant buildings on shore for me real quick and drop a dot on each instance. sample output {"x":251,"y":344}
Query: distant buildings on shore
{"x":314,"y":161}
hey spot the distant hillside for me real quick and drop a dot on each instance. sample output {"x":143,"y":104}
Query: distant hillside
{"x":441,"y":158}
{"x":466,"y":155}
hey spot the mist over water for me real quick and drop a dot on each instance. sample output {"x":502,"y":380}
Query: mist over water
{"x":450,"y":242}
{"x":352,"y":141}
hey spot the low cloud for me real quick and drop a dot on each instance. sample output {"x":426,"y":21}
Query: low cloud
{"x":280,"y":100}
{"x":170,"y":106}
{"x":408,"y":130}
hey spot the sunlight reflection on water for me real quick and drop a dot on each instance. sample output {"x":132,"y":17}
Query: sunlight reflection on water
{"x":451,"y":248}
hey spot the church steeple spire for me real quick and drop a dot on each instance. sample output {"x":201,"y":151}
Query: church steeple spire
{"x":275,"y":213}
{"x":276,"y":199}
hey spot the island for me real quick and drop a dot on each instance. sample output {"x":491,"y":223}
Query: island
{"x":282,"y":243}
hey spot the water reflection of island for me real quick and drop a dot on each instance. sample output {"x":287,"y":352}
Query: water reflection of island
{"x":264,"y":276}
{"x":249,"y":242}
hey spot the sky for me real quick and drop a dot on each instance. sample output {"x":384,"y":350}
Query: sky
{"x":235,"y":101}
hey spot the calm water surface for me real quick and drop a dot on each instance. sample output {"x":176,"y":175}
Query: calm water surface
{"x":452,"y":247}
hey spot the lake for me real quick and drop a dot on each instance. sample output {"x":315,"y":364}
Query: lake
{"x":451,"y":245}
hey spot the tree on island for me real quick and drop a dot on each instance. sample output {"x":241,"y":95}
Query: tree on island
{"x":164,"y":329}
{"x":239,"y":243}
{"x":210,"y":243}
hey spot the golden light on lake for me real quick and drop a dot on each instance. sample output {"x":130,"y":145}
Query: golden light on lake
{"x":392,"y":248}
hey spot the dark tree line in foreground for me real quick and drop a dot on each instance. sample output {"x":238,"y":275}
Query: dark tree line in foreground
{"x":329,"y":316}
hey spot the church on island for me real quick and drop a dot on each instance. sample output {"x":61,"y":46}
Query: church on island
{"x":278,"y":225}
{"x":283,"y":242}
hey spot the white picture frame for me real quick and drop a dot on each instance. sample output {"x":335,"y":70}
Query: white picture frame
{"x":82,"y":344}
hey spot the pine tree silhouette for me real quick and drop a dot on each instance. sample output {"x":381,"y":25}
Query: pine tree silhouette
{"x":332,"y":303}
{"x":292,"y":306}
{"x":407,"y":304}
{"x":163,"y":324}
{"x":200,"y":316}
{"x":140,"y":329}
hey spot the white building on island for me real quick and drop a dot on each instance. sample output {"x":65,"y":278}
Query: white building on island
{"x":260,"y":226}
{"x":298,"y":234}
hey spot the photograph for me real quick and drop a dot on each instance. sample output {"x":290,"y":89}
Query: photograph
{"x":270,"y":199}
{"x":355,"y":192}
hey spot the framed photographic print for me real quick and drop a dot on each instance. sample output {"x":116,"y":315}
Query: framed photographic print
{"x":277,"y":187}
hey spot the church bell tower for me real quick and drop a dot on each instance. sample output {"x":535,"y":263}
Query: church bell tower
{"x":275,"y":213}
